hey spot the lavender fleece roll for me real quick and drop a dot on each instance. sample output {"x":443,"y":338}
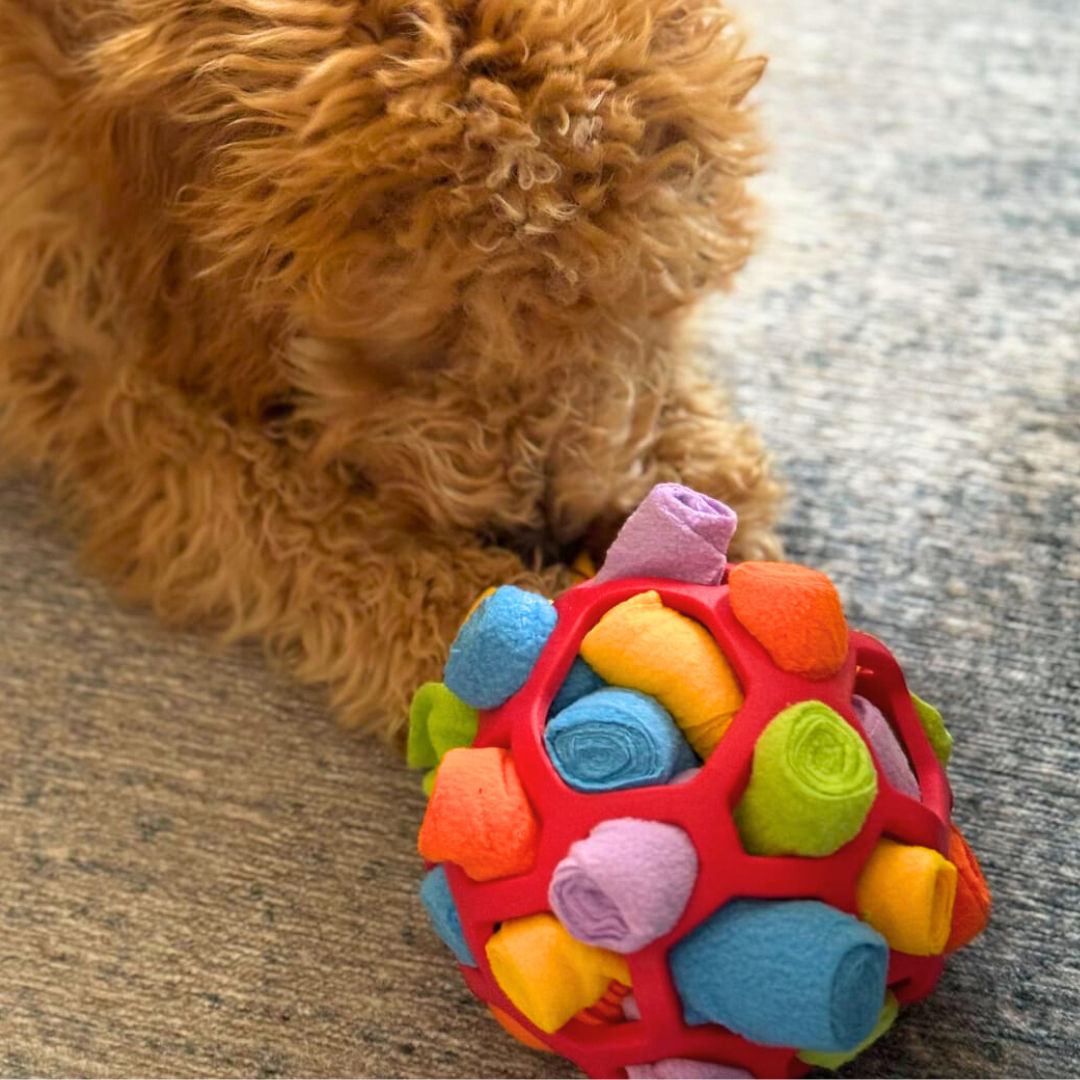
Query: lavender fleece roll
{"x":675,"y":533}
{"x":894,"y":762}
{"x":626,"y":884}
{"x":685,"y":1069}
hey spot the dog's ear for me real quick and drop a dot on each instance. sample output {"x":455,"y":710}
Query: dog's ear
{"x":388,"y":171}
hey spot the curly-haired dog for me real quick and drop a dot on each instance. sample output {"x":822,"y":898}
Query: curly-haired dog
{"x":323,"y":315}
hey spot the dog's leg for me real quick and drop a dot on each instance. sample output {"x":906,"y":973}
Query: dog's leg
{"x":702,"y":445}
{"x":222,"y":526}
{"x":677,"y":427}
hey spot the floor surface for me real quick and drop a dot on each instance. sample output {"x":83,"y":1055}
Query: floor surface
{"x":199,"y":875}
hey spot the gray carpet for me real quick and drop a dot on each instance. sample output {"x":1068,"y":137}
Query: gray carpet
{"x":199,"y":875}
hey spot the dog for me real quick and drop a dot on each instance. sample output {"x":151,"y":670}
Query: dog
{"x":322,"y":316}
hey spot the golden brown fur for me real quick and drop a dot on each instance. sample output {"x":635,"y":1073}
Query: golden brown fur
{"x":323,"y":315}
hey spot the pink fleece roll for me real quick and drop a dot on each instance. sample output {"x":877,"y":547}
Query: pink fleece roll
{"x":624,"y":885}
{"x":684,"y":1069}
{"x":879,"y":732}
{"x":675,"y":533}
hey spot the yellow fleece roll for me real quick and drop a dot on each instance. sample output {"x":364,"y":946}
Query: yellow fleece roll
{"x":583,"y":568}
{"x":477,"y":602}
{"x":906,"y":894}
{"x":643,"y":645}
{"x":546,"y":973}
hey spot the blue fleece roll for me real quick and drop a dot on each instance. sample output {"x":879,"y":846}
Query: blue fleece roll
{"x":614,"y":739}
{"x":439,"y":901}
{"x":783,"y":973}
{"x":495,"y":651}
{"x":580,"y":680}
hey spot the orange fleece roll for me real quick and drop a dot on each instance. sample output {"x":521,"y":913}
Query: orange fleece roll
{"x":794,"y":613}
{"x":906,"y":893}
{"x":518,"y":1031}
{"x":546,"y":973}
{"x":642,"y":645}
{"x":479,"y":816}
{"x":971,"y":912}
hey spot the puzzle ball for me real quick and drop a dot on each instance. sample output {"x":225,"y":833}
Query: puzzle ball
{"x":684,"y":821}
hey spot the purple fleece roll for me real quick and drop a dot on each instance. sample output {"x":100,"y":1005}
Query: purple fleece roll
{"x":626,"y":884}
{"x":684,"y":1069}
{"x":894,"y":762}
{"x":675,"y":533}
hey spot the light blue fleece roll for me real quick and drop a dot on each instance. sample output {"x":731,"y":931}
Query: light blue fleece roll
{"x":439,"y":902}
{"x":616,"y":738}
{"x":497,"y":648}
{"x":783,"y":973}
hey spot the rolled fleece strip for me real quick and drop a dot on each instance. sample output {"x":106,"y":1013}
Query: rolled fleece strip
{"x":495,"y":651}
{"x":582,"y":568}
{"x":894,"y":762}
{"x":642,"y":645}
{"x":439,"y":721}
{"x":516,"y":1029}
{"x":783,"y":973}
{"x":811,"y":786}
{"x":580,"y":681}
{"x":624,"y":885}
{"x":479,"y":816}
{"x":439,"y":903}
{"x":906,"y":893}
{"x":794,"y":613}
{"x":427,"y":782}
{"x":675,"y":533}
{"x":546,"y":973}
{"x":886,"y":1018}
{"x":971,"y":911}
{"x":685,"y":1069}
{"x":936,"y":731}
{"x":614,"y":739}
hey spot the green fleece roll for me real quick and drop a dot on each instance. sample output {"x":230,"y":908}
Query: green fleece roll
{"x":934,"y":726}
{"x":811,"y":785}
{"x":439,"y":721}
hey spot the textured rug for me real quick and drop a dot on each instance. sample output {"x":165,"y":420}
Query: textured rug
{"x":200,"y":876}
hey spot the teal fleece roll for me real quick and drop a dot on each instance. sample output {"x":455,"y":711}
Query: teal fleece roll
{"x":439,"y":902}
{"x":616,"y":738}
{"x":580,"y":681}
{"x":493,"y":655}
{"x":783,"y":973}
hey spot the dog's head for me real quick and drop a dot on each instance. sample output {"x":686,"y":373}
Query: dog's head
{"x":406,"y":173}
